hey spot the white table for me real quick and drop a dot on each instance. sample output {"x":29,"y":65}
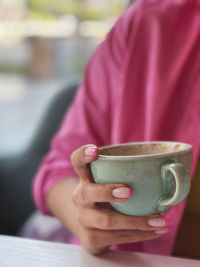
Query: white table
{"x":18,"y":252}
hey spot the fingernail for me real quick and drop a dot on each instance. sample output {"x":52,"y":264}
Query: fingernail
{"x":91,"y":151}
{"x":157,"y":222}
{"x":122,"y":192}
{"x":162,"y":231}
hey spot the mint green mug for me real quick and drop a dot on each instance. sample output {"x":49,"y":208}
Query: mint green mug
{"x":156,"y":172}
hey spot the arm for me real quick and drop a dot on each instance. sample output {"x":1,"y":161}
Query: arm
{"x":59,"y":200}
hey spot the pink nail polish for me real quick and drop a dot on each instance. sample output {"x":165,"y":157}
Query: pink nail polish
{"x":156,"y":222}
{"x":95,"y":152}
{"x":129,"y":192}
{"x":122,"y":192}
{"x":91,"y":151}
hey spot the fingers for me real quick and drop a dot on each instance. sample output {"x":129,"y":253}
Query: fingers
{"x":112,"y":220}
{"x":87,"y":194}
{"x":126,"y":236}
{"x":96,"y":241}
{"x":80,"y":159}
{"x":101,"y":228}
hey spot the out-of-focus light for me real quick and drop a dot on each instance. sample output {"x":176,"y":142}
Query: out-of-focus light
{"x":11,"y":89}
{"x":14,"y":31}
{"x":94,"y":29}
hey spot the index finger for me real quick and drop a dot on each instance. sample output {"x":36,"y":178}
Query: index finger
{"x":81,"y":158}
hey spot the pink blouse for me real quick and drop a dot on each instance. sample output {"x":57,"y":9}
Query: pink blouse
{"x":141,"y":84}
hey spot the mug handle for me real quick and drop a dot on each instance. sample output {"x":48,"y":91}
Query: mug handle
{"x":171,"y":171}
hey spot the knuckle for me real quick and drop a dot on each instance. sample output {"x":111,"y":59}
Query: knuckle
{"x":82,"y":193}
{"x":90,"y":239}
{"x":80,"y":219}
{"x":106,"y":221}
{"x":140,"y":224}
{"x":75,"y":197}
{"x":125,"y":236}
{"x":79,"y":196}
{"x":76,"y":159}
{"x":137,"y":223}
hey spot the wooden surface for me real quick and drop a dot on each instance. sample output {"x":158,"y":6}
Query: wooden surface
{"x":20,"y":252}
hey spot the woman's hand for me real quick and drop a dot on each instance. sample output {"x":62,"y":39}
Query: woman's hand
{"x":99,"y":228}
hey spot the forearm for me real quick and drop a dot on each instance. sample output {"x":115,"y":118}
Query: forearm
{"x":59,"y":202}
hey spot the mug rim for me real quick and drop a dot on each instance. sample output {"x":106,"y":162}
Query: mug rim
{"x":186,"y":150}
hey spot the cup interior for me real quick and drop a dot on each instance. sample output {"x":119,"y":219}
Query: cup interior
{"x":135,"y":149}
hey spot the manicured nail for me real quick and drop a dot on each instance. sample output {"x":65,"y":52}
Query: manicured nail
{"x":91,"y":151}
{"x":157,"y":222}
{"x":162,"y":231}
{"x":122,"y":192}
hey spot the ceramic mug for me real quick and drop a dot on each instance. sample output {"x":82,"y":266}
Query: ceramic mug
{"x":158,"y":174}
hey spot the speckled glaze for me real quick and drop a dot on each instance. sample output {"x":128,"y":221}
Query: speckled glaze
{"x":156,"y":172}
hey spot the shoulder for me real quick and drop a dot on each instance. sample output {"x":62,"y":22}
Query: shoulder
{"x":143,"y":15}
{"x":145,"y":7}
{"x":144,"y":11}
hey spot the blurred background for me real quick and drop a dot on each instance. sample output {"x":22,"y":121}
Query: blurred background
{"x":44,"y":48}
{"x":43,"y":45}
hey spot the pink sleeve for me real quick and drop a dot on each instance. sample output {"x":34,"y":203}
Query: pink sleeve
{"x":89,"y":118}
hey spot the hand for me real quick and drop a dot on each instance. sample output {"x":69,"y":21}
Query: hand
{"x":100,"y":228}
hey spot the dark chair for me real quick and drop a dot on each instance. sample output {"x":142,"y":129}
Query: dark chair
{"x":17,"y":172}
